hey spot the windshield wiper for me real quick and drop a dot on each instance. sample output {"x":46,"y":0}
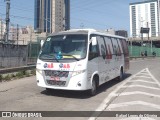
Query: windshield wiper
{"x":71,"y":56}
{"x":48,"y":57}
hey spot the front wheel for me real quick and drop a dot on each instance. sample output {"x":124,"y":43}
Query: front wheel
{"x":93,"y":90}
{"x":49,"y":89}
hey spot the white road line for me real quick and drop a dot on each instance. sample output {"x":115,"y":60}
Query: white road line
{"x":144,"y":81}
{"x":143,"y":76}
{"x":106,"y":101}
{"x":125,"y":104}
{"x":153,"y":77}
{"x":142,"y":86}
{"x":138,"y":92}
{"x":142,"y":73}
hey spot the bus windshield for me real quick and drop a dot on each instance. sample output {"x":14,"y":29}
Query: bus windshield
{"x":64,"y":47}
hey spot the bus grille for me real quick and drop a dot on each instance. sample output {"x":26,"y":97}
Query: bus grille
{"x":58,"y":83}
{"x":56,"y":73}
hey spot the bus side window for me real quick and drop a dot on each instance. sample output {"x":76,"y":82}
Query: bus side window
{"x":93,"y":51}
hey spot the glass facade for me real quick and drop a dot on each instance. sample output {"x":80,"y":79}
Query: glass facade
{"x":67,"y":14}
{"x":144,"y":14}
{"x":133,"y":21}
{"x":45,"y":17}
{"x":36,"y":15}
{"x":153,"y":19}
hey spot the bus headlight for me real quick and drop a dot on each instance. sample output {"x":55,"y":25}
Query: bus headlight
{"x":78,"y":72}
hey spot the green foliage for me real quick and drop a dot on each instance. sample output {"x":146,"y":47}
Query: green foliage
{"x":7,"y":77}
{"x":18,"y":75}
{"x":1,"y":78}
{"x":13,"y":75}
{"x":33,"y":72}
{"x":27,"y":74}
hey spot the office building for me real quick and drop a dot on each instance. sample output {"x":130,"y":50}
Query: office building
{"x":144,"y":14}
{"x":122,"y":33}
{"x":2,"y":28}
{"x":52,"y":15}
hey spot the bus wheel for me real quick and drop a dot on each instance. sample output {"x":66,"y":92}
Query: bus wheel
{"x":93,"y":90}
{"x":49,"y":89}
{"x":120,"y":77}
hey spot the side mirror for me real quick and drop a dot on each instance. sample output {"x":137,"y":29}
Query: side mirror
{"x":42,"y":42}
{"x":94,"y":41}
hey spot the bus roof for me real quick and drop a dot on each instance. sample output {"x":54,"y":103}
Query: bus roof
{"x":85,"y":31}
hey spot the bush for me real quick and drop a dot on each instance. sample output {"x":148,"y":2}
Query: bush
{"x":20,"y":74}
{"x":7,"y":77}
{"x":33,"y":72}
{"x":27,"y":74}
{"x":1,"y":78}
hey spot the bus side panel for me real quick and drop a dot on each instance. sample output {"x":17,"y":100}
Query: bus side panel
{"x":120,"y":54}
{"x":116,"y":56}
{"x":109,"y":58}
{"x":126,"y":54}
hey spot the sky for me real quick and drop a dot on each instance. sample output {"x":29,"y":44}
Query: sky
{"x":97,"y":14}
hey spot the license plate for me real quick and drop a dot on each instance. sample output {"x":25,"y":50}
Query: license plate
{"x":55,"y":78}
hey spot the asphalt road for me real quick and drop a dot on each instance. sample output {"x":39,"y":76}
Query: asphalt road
{"x":139,"y":91}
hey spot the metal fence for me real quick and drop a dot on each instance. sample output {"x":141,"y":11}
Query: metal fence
{"x":33,"y":51}
{"x":137,"y":51}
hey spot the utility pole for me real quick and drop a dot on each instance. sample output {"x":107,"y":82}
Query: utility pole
{"x":7,"y":20}
{"x":1,"y":28}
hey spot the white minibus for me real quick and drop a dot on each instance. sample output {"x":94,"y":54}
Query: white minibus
{"x":81,"y":59}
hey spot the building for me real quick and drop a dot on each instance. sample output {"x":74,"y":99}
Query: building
{"x":122,"y":33}
{"x":144,"y":14}
{"x":110,"y":31}
{"x":52,"y":15}
{"x":2,"y":28}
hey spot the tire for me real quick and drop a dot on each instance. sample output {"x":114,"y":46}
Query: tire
{"x":121,"y":76}
{"x":49,"y":89}
{"x":93,"y":90}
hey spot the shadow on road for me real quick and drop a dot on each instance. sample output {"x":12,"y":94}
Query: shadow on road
{"x":83,"y":94}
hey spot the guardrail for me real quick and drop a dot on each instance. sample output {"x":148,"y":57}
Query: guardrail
{"x":17,"y":69}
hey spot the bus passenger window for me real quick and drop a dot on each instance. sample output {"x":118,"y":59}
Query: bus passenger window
{"x":93,"y":51}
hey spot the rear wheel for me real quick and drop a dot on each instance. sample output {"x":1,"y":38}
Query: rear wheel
{"x":93,"y":90}
{"x":121,"y":76}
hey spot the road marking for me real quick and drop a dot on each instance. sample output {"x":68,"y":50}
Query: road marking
{"x":143,"y":76}
{"x":142,"y":86}
{"x":113,"y":95}
{"x":144,"y":81}
{"x":125,"y":104}
{"x":144,"y":73}
{"x":138,"y":92}
{"x":105,"y":102}
{"x":153,"y":77}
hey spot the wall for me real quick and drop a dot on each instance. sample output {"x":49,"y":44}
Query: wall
{"x":13,"y":55}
